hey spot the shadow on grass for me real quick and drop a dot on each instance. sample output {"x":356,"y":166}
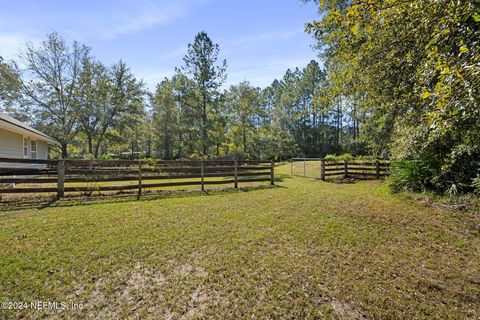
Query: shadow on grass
{"x":77,"y":200}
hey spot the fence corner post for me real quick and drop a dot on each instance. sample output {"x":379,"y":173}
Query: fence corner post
{"x":235,"y":168}
{"x":202,"y":174}
{"x":61,"y":178}
{"x":139,"y":180}
{"x":272,"y":172}
{"x":377,"y":169}
{"x":322,"y":169}
{"x":345,"y":176}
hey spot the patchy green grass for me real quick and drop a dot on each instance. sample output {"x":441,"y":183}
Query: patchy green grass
{"x":306,"y":249}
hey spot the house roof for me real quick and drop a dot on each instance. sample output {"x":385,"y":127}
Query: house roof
{"x":11,"y":124}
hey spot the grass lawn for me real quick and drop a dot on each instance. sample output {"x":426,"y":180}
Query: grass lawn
{"x":305,"y":249}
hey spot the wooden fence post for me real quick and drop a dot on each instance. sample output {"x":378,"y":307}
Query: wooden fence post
{"x":304,"y":168}
{"x":345,"y":163}
{"x":291,"y":167}
{"x":139,"y":180}
{"x":61,"y":179}
{"x":377,"y":169}
{"x":322,"y":169}
{"x":272,"y":172}
{"x":202,"y":173}
{"x":235,"y":164}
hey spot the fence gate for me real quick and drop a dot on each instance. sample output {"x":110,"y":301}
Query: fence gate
{"x":322,"y":169}
{"x":305,"y":167}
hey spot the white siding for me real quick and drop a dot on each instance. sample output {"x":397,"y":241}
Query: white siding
{"x":11,"y":144}
{"x":42,"y":150}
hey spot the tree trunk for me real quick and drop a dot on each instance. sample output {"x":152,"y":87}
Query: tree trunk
{"x":244,"y":140}
{"x":97,"y":148}
{"x":314,"y":134}
{"x":180,"y":145}
{"x":90,"y":144}
{"x":64,"y":150}
{"x":204,"y":127}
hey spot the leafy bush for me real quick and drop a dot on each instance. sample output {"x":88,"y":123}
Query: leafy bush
{"x":330,"y":158}
{"x":415,"y":176}
{"x":149,"y":160}
{"x":232,"y":156}
{"x":476,"y":184}
{"x":366,"y":158}
{"x":345,"y":156}
{"x":106,"y":157}
{"x":339,"y":158}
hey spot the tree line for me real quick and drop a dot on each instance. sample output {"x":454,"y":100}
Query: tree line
{"x":100,"y":111}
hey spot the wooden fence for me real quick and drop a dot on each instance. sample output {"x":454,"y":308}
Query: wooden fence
{"x":322,"y":169}
{"x":88,"y":176}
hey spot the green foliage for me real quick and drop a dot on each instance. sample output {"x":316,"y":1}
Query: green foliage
{"x":207,"y":75}
{"x":408,"y":176}
{"x":187,"y":116}
{"x":345,"y":156}
{"x":476,"y":184}
{"x":339,"y":158}
{"x":415,"y":176}
{"x":412,"y":67}
{"x":165,"y":118}
{"x":243,"y":107}
{"x":105,"y":157}
{"x":51,"y":70}
{"x":9,"y":86}
{"x":315,"y":125}
{"x":107,"y":99}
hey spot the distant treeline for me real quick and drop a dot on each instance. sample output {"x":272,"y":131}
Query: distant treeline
{"x":99,"y":111}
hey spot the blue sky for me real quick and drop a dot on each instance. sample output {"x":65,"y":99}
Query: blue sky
{"x":260,"y":39}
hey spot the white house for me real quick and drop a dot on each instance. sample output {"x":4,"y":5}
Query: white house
{"x":20,"y":141}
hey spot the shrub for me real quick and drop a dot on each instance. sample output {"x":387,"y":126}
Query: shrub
{"x":415,"y":176}
{"x":345,"y":156}
{"x":476,"y":184}
{"x":106,"y":157}
{"x":339,"y":158}
{"x":330,"y":158}
{"x":366,"y":158}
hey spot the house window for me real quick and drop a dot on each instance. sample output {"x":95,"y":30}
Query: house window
{"x":25,"y":147}
{"x":33,"y":149}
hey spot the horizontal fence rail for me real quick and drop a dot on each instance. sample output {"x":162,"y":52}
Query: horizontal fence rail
{"x":324,"y":169}
{"x":87,"y":176}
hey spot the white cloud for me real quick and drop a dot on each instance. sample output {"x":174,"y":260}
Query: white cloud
{"x":229,"y":46}
{"x":246,"y":55}
{"x":179,"y":52}
{"x":149,"y":14}
{"x":11,"y":44}
{"x":103,"y":20}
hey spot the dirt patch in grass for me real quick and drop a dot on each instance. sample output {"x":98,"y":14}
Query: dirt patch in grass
{"x":344,"y":311}
{"x":138,"y":291}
